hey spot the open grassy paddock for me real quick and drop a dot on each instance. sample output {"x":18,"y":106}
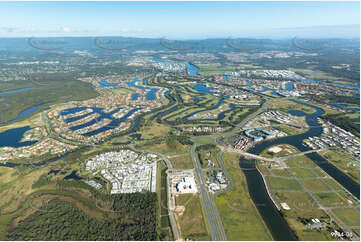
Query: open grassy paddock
{"x":239,"y":215}
{"x":302,"y":206}
{"x":285,"y":105}
{"x":191,"y":221}
{"x":343,"y":161}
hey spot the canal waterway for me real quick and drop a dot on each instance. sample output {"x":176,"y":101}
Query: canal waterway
{"x":277,"y":225}
{"x":192,"y":70}
{"x":275,"y":222}
{"x":112,"y":125}
{"x":172,"y":102}
{"x":296,"y":140}
{"x":151,"y":91}
{"x":203,"y":88}
{"x":104,"y":83}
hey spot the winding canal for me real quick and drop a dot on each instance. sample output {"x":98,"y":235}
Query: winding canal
{"x":270,"y":214}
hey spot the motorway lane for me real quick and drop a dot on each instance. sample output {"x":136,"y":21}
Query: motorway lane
{"x":214,"y":221}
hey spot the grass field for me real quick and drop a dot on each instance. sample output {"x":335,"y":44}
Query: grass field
{"x":203,"y":140}
{"x":280,"y":172}
{"x":290,"y":130}
{"x":354,"y":115}
{"x":302,"y":173}
{"x":333,"y":183}
{"x":249,"y":66}
{"x":239,"y":215}
{"x":153,"y":129}
{"x":164,"y":226}
{"x":343,"y":161}
{"x":283,"y":184}
{"x":320,"y":75}
{"x":330,"y":199}
{"x":326,"y":109}
{"x":315,"y":185}
{"x":33,"y":121}
{"x":191,"y":221}
{"x":214,"y":69}
{"x":181,"y":113}
{"x":181,"y":161}
{"x":300,"y":161}
{"x":236,"y":115}
{"x":349,"y":216}
{"x":302,"y":206}
{"x":285,"y":105}
{"x":177,"y":149}
{"x":264,"y":169}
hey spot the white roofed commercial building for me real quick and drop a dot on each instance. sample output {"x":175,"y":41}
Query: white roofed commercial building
{"x":187,"y":185}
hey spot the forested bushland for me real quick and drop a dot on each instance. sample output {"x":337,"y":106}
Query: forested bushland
{"x":134,"y":218}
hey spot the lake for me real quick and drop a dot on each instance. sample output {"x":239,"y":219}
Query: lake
{"x":12,"y":137}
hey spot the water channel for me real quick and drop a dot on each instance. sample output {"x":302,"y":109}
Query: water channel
{"x":275,"y":222}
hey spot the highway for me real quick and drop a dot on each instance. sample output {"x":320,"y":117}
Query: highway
{"x":214,"y":222}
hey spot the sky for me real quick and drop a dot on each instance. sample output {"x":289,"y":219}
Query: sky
{"x":180,"y":20}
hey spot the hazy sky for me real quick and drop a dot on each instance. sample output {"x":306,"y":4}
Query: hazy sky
{"x":178,"y":19}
